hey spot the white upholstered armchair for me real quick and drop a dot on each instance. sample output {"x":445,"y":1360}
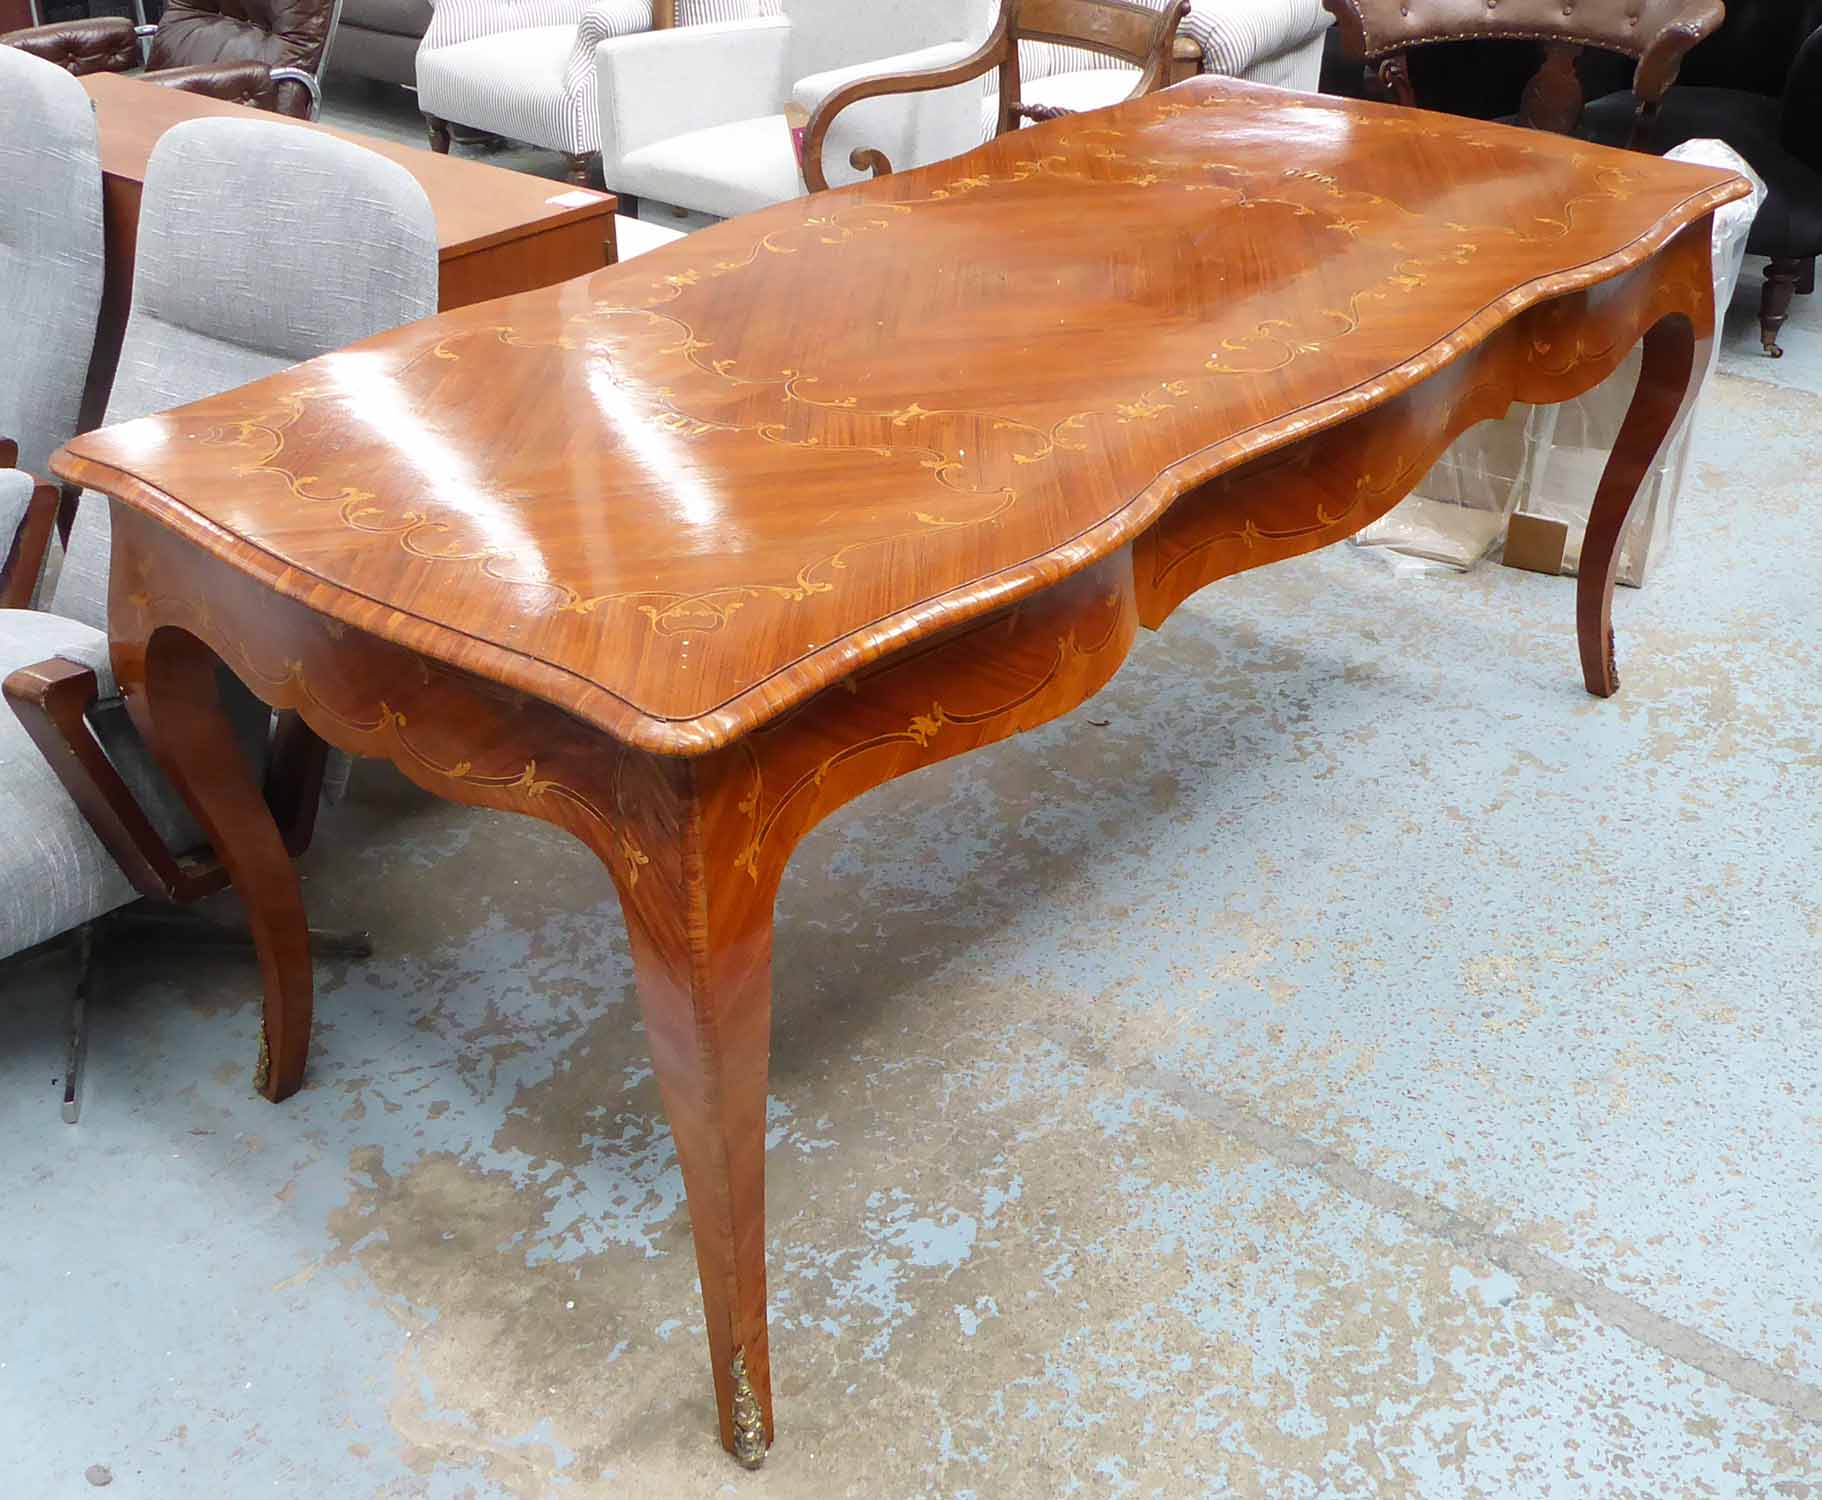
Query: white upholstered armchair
{"x":525,"y":69}
{"x":696,"y":116}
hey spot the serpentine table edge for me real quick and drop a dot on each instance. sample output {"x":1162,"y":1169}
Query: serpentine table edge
{"x":695,"y":819}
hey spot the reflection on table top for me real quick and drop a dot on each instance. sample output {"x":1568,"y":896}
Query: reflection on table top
{"x":702,"y":485}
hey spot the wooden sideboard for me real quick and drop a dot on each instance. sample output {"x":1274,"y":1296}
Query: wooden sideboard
{"x":497,"y":231}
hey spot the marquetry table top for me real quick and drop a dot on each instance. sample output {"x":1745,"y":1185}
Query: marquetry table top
{"x":680,"y":495}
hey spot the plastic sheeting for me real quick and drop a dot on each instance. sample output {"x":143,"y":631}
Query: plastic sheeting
{"x":1547,"y":460}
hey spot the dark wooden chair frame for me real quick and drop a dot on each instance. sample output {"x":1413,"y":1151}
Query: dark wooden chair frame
{"x":1120,"y":29}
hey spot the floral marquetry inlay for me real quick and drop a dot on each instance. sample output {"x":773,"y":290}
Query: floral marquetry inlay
{"x":761,"y":452}
{"x":685,"y":556}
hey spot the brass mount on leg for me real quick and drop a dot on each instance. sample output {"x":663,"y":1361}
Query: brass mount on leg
{"x":749,"y":1421}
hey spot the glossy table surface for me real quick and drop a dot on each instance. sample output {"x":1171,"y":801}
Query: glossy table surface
{"x":681,"y":495}
{"x":684,"y":556}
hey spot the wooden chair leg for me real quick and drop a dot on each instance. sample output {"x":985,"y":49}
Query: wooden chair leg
{"x":579,"y":166}
{"x":438,"y":131}
{"x":1781,"y":278}
{"x":173,"y":689}
{"x":1667,"y":385}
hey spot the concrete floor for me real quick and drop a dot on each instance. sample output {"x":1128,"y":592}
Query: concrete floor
{"x":1343,"y":1060}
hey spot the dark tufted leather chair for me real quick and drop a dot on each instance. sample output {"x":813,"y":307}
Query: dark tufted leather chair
{"x":1654,"y":34}
{"x":265,"y":53}
{"x":1756,"y":84}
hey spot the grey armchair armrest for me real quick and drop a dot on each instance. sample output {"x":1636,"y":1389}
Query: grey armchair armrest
{"x":28,"y":512}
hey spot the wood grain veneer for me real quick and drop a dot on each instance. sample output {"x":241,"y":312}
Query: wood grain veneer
{"x":682,"y":556}
{"x":1006,"y":369}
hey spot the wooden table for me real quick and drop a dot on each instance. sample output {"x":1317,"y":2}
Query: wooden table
{"x":826,"y":494}
{"x":497,"y":231}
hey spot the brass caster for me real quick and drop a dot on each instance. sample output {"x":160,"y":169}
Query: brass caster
{"x":749,"y":1421}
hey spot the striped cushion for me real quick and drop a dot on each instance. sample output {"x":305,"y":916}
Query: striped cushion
{"x":453,"y":21}
{"x":1237,"y":38}
{"x":707,"y":12}
{"x":1235,"y":35}
{"x":1264,"y":41}
{"x":516,"y":84}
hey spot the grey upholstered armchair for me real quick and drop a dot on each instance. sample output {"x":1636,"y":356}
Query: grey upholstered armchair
{"x":260,"y":245}
{"x":50,"y":293}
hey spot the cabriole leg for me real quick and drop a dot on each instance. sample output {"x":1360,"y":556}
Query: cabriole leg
{"x":173,"y":689}
{"x":1667,"y":383}
{"x":700,"y":926}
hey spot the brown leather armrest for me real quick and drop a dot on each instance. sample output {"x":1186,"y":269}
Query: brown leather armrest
{"x":1374,"y":29}
{"x":103,"y":44}
{"x":248,"y":83}
{"x":25,"y":548}
{"x":1366,"y":27}
{"x":1663,"y":59}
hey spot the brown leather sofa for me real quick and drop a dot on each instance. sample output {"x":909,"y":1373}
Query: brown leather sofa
{"x":266,"y":53}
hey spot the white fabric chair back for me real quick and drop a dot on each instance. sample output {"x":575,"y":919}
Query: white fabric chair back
{"x":261,"y":244}
{"x":829,"y":34}
{"x":50,"y":253}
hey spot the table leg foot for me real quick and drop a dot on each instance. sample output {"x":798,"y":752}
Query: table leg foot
{"x":749,"y":1420}
{"x":1667,"y":385}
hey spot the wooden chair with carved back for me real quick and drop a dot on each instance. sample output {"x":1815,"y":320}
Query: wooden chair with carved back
{"x":1121,"y":30}
{"x":1654,"y":34}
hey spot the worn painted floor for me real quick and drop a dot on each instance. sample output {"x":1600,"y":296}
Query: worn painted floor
{"x":1342,"y":1060}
